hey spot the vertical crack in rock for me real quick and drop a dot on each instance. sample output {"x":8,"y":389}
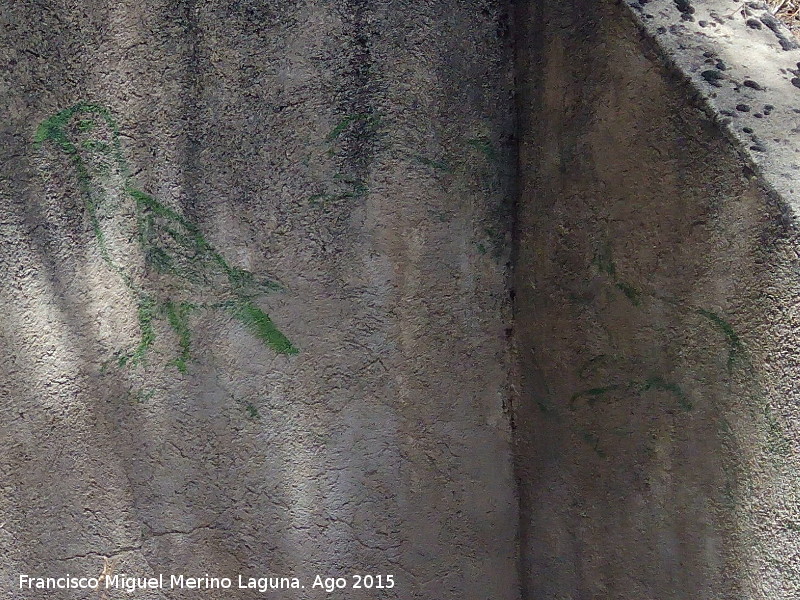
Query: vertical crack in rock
{"x":196,"y":65}
{"x":360,"y":98}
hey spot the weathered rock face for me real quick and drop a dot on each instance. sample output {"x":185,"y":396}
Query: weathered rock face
{"x":655,"y":318}
{"x":255,"y":274}
{"x":356,"y":153}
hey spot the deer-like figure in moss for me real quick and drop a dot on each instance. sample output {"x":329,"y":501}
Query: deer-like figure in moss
{"x":162,"y":258}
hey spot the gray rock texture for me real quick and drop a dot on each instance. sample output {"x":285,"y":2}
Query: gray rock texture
{"x":744,"y":68}
{"x":358,"y":154}
{"x":499,"y":299}
{"x":656,"y":303}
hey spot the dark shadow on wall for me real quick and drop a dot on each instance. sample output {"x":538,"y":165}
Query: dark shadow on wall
{"x":641,"y":241}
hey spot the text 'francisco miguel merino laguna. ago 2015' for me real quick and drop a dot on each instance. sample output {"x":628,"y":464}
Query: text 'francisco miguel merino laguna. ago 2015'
{"x":206,"y":582}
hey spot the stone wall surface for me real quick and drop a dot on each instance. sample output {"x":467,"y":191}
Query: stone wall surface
{"x":256,"y":285}
{"x":656,"y":406}
{"x":254,"y":294}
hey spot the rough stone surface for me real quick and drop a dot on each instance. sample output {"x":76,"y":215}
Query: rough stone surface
{"x":656,"y":311}
{"x":363,"y":156}
{"x":358,"y":153}
{"x":745,"y":66}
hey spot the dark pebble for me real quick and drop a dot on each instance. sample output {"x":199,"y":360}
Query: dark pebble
{"x":712,"y":76}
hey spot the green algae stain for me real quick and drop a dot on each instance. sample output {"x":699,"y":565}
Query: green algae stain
{"x":592,"y":395}
{"x":260,"y":325}
{"x":631,"y":293}
{"x":252,"y":411}
{"x":483,"y":145}
{"x":604,"y":261}
{"x":343,"y":125}
{"x":177,"y":316}
{"x":734,"y":343}
{"x":361,"y":128}
{"x":172,"y":246}
{"x":436,"y":164}
{"x":657,"y":382}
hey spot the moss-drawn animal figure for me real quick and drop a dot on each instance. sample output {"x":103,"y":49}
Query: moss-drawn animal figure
{"x":163,"y":258}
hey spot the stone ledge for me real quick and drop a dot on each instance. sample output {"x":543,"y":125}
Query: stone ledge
{"x":745,"y":65}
